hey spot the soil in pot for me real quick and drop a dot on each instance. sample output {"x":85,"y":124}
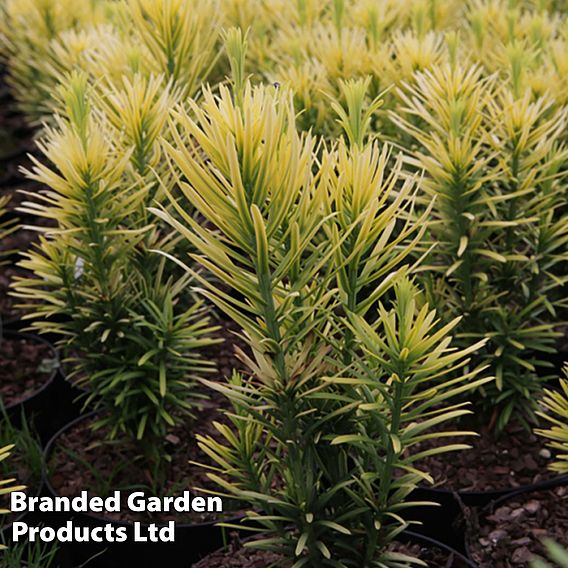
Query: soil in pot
{"x":27,"y":365}
{"x":81,"y":460}
{"x":517,"y":458}
{"x":510,"y":533}
{"x":237,"y":556}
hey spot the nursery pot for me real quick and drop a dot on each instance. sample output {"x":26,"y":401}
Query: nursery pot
{"x":192,"y":541}
{"x":407,"y":537}
{"x":445,"y":520}
{"x":523,"y":494}
{"x":43,"y":403}
{"x":492,"y":470}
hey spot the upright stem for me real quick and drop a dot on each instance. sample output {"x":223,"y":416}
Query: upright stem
{"x":351,"y":307}
{"x":296,"y":452}
{"x":96,"y":238}
{"x":272,"y":327}
{"x":459,"y":222}
{"x":512,"y":206}
{"x":395,"y":426}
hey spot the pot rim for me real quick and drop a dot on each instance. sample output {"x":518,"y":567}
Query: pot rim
{"x":552,"y":484}
{"x":405,"y":536}
{"x":52,"y":375}
{"x":499,"y":494}
{"x":99,"y":517}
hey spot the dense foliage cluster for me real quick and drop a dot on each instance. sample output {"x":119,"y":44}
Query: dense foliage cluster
{"x":374,"y":192}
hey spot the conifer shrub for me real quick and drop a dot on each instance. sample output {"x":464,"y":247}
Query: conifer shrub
{"x":315,"y":439}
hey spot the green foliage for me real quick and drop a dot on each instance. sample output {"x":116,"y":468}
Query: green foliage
{"x":556,"y":405}
{"x":315,"y":441}
{"x":356,"y":119}
{"x":131,"y":339}
{"x":180,"y":36}
{"x":556,"y":554}
{"x":498,"y":223}
{"x":26,"y":461}
{"x":36,"y":555}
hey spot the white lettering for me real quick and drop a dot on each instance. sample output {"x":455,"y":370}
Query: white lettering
{"x":17,"y":501}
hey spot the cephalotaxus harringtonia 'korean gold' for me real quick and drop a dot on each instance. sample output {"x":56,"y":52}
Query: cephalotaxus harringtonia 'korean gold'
{"x":129,"y":337}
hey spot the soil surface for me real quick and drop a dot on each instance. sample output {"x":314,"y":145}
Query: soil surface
{"x":83,"y":461}
{"x":26,"y":366}
{"x":236,"y":556}
{"x":511,"y":533}
{"x":514,"y":459}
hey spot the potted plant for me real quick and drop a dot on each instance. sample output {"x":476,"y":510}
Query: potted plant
{"x":131,"y":333}
{"x":493,"y":158}
{"x":314,"y":441}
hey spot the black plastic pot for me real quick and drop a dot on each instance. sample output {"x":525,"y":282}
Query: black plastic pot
{"x":460,"y":560}
{"x":410,"y":537}
{"x":55,"y":408}
{"x":192,"y":541}
{"x":42,"y":405}
{"x":550,"y":484}
{"x":445,"y":521}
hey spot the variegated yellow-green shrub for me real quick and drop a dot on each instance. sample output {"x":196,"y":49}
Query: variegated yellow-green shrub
{"x":556,"y":414}
{"x":524,"y":42}
{"x":310,"y":46}
{"x":27,"y":29}
{"x":132,"y":341}
{"x":316,"y":45}
{"x":315,"y":439}
{"x":498,"y":226}
{"x":45,"y":40}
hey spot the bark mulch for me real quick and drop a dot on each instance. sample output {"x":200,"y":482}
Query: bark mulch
{"x":26,"y":366}
{"x":511,"y":533}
